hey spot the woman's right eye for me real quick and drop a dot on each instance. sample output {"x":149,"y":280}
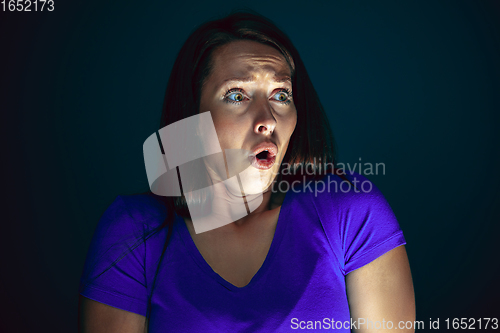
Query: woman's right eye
{"x":234,"y":96}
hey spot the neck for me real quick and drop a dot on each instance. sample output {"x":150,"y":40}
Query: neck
{"x":270,"y":206}
{"x":270,"y":203}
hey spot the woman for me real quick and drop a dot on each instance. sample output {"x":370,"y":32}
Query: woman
{"x":297,"y":260}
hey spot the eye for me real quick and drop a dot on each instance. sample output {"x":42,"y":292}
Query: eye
{"x":234,"y":96}
{"x":282,"y":96}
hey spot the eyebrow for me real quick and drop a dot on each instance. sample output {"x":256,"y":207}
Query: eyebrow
{"x":276,"y":78}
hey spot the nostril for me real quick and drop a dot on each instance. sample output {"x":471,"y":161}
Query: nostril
{"x":262,"y":128}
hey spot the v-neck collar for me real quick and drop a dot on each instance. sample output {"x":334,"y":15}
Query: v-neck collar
{"x":204,"y":266}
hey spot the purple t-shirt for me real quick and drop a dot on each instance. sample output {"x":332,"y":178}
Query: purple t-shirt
{"x":321,"y":236}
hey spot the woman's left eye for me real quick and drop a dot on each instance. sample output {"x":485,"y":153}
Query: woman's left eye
{"x":282,"y":96}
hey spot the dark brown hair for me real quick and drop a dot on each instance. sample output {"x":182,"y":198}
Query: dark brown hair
{"x":312,"y":141}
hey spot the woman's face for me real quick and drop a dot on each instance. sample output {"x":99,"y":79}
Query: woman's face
{"x":249,"y":95}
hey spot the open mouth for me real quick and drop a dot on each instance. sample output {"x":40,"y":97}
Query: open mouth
{"x":264,"y":155}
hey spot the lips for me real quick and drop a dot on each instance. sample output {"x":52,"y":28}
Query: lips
{"x":264,"y":155}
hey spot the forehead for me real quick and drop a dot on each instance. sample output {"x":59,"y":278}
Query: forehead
{"x":248,"y":61}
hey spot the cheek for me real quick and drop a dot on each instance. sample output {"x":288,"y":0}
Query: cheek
{"x":290,"y":124}
{"x":229,"y":131}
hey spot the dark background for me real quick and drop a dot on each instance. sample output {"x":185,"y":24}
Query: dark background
{"x":411,"y":84}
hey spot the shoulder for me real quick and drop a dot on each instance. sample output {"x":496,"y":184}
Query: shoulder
{"x":145,"y":207}
{"x":125,"y":240}
{"x":345,"y":191}
{"x":357,"y":219}
{"x":350,"y":206}
{"x":340,"y":199}
{"x":122,"y":228}
{"x":130,"y":215}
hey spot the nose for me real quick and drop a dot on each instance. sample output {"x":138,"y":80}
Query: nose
{"x":265,"y":123}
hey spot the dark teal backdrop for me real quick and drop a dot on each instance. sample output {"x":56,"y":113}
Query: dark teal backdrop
{"x":411,"y":84}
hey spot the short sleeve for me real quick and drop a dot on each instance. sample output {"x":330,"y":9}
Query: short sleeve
{"x":114,"y":271}
{"x":359,"y":222}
